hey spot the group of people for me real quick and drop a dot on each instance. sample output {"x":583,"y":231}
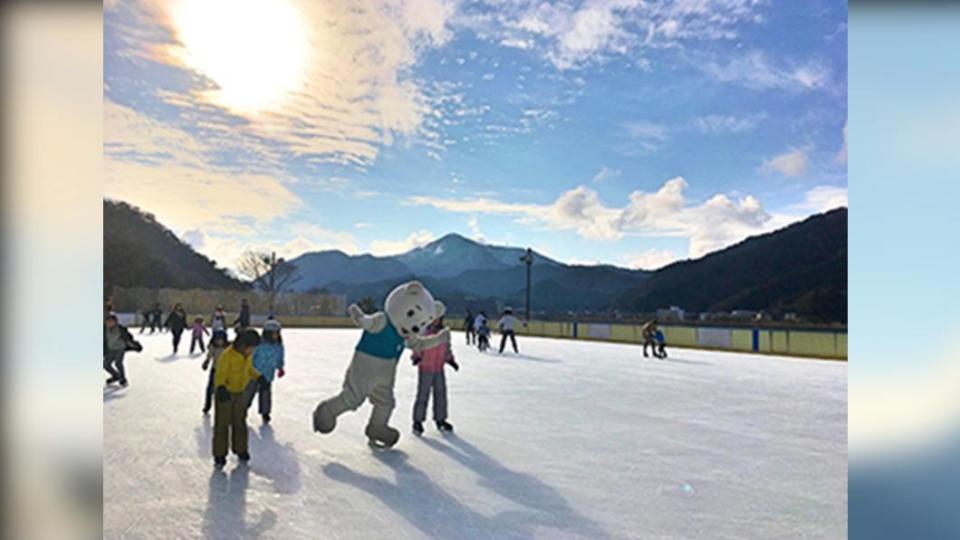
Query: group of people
{"x":478,"y":333}
{"x":177,"y":323}
{"x":653,"y":337}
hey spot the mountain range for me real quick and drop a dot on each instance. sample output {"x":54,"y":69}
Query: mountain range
{"x":801,"y":268}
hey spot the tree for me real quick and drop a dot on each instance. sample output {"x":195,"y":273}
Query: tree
{"x":366,"y":305}
{"x":267,"y":272}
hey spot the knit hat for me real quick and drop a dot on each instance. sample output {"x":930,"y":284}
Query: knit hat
{"x":271,"y":325}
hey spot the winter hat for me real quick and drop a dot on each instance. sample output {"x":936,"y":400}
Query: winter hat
{"x":272,"y":325}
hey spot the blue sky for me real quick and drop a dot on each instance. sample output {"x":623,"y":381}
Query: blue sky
{"x":621,"y":132}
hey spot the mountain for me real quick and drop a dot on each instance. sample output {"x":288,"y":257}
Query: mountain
{"x":466,"y":273}
{"x":140,"y":252}
{"x":801,"y":268}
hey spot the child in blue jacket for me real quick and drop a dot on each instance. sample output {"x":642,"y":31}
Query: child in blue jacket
{"x":267,"y":360}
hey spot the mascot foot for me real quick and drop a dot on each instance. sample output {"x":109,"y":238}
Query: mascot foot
{"x":382,"y":436}
{"x":323,"y":419}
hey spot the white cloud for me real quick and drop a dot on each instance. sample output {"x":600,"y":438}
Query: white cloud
{"x":605,"y":173}
{"x":791,"y":163}
{"x":321,"y":238}
{"x":226,"y":250}
{"x":711,"y":225}
{"x":755,"y":70}
{"x":645,"y":137}
{"x":841,"y":156}
{"x":823,"y":198}
{"x":394,"y":247}
{"x":354,"y":95}
{"x":168,"y":172}
{"x":474,"y":225}
{"x":651,"y":259}
{"x":719,"y":124}
{"x":362,"y":225}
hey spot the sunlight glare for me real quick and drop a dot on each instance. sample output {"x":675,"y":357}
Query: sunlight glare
{"x":254,"y":50}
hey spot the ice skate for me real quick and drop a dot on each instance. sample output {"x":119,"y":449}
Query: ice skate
{"x":219,"y":462}
{"x":244,"y":456}
{"x":443,"y":425}
{"x":418,"y":428}
{"x":382,"y":436}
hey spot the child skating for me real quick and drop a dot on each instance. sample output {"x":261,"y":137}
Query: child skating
{"x":431,"y":377}
{"x":409,"y":310}
{"x":660,"y":348}
{"x":198,"y":333}
{"x":483,"y":333}
{"x":267,"y":360}
{"x":233,"y":372}
{"x":218,"y":344}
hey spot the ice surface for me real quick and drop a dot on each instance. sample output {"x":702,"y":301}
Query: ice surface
{"x":572,"y":439}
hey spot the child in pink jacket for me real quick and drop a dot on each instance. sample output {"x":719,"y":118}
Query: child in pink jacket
{"x":431,"y":362}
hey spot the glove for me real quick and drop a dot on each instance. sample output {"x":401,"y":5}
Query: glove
{"x":223,"y":394}
{"x":416,"y":359}
{"x":281,"y":373}
{"x":206,"y":363}
{"x":453,"y":364}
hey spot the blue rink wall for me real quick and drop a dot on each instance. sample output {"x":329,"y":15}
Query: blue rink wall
{"x":817,"y":343}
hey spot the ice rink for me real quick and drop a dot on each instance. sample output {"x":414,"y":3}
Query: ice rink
{"x":570,"y":439}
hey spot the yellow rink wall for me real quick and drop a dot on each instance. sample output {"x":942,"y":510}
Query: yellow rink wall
{"x":818,"y":343}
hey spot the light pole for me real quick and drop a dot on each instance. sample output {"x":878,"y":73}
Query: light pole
{"x":527,"y":259}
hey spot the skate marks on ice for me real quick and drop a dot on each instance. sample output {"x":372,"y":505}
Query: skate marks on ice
{"x":439,"y":514}
{"x":226,"y":514}
{"x":168,"y":358}
{"x":111,"y":393}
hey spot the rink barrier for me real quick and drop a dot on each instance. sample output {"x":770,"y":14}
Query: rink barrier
{"x":817,"y":343}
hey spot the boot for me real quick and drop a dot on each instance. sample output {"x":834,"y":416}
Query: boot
{"x":219,"y":462}
{"x":382,"y":436}
{"x":443,"y":425}
{"x":325,"y":416}
{"x":418,"y":428}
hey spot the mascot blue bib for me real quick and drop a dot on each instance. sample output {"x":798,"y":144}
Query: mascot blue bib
{"x":385,"y":344}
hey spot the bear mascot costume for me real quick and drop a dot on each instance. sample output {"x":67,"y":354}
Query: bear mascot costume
{"x":407,"y":313}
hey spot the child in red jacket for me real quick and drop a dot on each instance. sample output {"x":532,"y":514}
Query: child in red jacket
{"x":431,"y":376}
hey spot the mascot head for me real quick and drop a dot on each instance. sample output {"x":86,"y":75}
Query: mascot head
{"x":411,"y":308}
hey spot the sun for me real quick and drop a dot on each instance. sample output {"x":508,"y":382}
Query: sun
{"x":254,"y":50}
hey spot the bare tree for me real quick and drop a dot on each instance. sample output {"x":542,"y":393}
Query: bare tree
{"x":267,"y":272}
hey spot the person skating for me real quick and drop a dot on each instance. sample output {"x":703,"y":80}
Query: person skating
{"x":647,"y":333}
{"x":469,"y":329}
{"x":116,"y":342}
{"x":177,"y":323}
{"x":218,"y":344}
{"x":156,"y":318}
{"x":507,"y":325}
{"x":198,"y":333}
{"x":267,"y":360}
{"x":218,"y":321}
{"x":431,"y":377}
{"x":660,"y":349}
{"x":483,"y":332}
{"x":408,"y":311}
{"x":233,"y":372}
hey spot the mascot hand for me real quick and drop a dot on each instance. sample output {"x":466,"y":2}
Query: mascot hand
{"x":355,"y":312}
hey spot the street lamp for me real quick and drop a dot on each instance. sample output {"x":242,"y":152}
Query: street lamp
{"x":527,"y":259}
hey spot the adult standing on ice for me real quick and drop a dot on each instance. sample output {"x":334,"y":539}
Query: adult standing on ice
{"x":243,"y":319}
{"x":507,"y":326}
{"x":177,"y":323}
{"x":469,"y":329}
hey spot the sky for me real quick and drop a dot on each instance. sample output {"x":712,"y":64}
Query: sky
{"x":622,"y":132}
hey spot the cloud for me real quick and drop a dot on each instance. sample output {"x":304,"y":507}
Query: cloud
{"x":645,"y":137}
{"x":354,"y":94}
{"x":321,"y":238}
{"x":721,"y":124}
{"x":227,"y":249}
{"x":574,"y":36}
{"x":170,"y":172}
{"x":791,"y":163}
{"x":756,"y":71}
{"x":708,"y":226}
{"x":651,"y":259}
{"x":474,"y":225}
{"x":841,"y":157}
{"x":822,"y":198}
{"x":605,"y":173}
{"x":394,"y":247}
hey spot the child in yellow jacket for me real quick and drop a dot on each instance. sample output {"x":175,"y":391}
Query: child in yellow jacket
{"x":233,"y":372}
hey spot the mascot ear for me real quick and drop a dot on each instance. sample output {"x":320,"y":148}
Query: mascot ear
{"x":439,"y":310}
{"x":414,"y":287}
